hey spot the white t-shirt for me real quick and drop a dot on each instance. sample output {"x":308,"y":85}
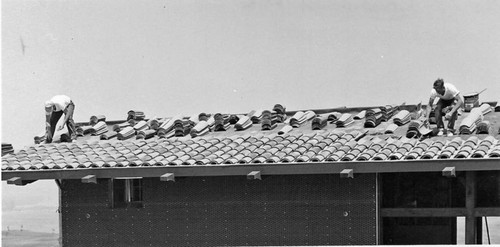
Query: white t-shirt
{"x":450,"y":92}
{"x":60,"y":102}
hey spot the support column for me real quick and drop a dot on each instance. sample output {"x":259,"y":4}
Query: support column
{"x":479,"y":230}
{"x":59,"y":209}
{"x":470,"y":199}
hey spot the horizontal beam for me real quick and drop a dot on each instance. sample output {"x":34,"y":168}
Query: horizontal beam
{"x":422,"y":212}
{"x":437,"y":212}
{"x":490,"y":164}
{"x":493,"y":211}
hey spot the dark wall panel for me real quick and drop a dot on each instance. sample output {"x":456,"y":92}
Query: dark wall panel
{"x":278,"y":210}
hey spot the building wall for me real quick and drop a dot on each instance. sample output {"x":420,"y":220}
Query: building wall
{"x":201,"y":211}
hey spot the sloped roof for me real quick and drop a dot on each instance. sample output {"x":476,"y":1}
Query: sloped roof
{"x":368,"y":140}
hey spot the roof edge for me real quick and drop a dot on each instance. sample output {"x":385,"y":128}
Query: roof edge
{"x":358,"y":167}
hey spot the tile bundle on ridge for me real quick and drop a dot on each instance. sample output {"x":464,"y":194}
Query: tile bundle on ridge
{"x":200,"y":129}
{"x":243,"y":123}
{"x":221,"y":122}
{"x":360,"y":115}
{"x":373,"y":117}
{"x":95,"y":119}
{"x":279,"y":111}
{"x":469,"y":123}
{"x":99,"y":128}
{"x":301,"y":117}
{"x":334,"y":116}
{"x":344,"y":120}
{"x":126,"y":133}
{"x":135,"y":115}
{"x":7,"y":148}
{"x":319,"y":122}
{"x":402,"y":117}
{"x":484,"y":127}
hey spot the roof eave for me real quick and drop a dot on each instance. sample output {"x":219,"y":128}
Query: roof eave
{"x":436,"y":165}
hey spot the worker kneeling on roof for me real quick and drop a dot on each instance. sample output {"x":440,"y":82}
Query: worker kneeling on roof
{"x":450,"y":100}
{"x":54,"y":108}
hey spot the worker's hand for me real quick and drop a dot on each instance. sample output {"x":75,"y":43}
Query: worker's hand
{"x":60,"y":127}
{"x":448,"y":116}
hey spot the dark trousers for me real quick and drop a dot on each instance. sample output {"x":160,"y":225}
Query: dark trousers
{"x":54,"y":118}
{"x":438,"y":112}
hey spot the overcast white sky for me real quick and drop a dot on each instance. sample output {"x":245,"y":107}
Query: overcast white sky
{"x":183,"y":57}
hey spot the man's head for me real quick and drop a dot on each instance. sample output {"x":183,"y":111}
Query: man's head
{"x":49,"y":107}
{"x":439,"y":86}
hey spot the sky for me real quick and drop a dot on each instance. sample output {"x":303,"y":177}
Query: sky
{"x":230,"y":56}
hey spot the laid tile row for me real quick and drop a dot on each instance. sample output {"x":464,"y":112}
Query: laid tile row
{"x":320,"y":146}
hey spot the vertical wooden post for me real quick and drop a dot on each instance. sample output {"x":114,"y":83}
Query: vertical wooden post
{"x":379,"y":230}
{"x":60,"y":210}
{"x":470,"y":199}
{"x":479,"y":230}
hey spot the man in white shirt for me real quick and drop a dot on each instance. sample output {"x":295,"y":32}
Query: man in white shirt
{"x":54,"y":108}
{"x":449,"y":96}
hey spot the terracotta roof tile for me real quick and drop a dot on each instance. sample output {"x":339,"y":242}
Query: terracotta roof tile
{"x":142,"y":142}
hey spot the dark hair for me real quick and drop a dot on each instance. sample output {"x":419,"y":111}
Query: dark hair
{"x":439,"y":83}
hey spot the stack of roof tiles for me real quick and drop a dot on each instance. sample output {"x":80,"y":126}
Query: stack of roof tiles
{"x":391,"y":128}
{"x":345,"y":120}
{"x":166,"y":129}
{"x":414,"y":129}
{"x":470,"y":123}
{"x":126,"y":133}
{"x":373,"y":117}
{"x":99,"y":128}
{"x":388,"y":111}
{"x":136,"y":115}
{"x":319,"y":122}
{"x":279,"y":111}
{"x":402,"y":117}
{"x":7,"y":149}
{"x":334,"y":116}
{"x":301,"y":117}
{"x":182,"y":127}
{"x":484,"y":127}
{"x":256,"y":116}
{"x":201,"y":128}
{"x":243,"y":123}
{"x":269,"y":121}
{"x":360,"y":115}
{"x":96,"y":119}
{"x":221,"y":122}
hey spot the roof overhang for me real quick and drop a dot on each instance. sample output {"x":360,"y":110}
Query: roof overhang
{"x":441,"y":165}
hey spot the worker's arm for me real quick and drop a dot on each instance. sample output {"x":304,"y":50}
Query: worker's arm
{"x":48,"y":133}
{"x":428,"y":109}
{"x":68,"y":112}
{"x":459,"y":104}
{"x":66,"y":117}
